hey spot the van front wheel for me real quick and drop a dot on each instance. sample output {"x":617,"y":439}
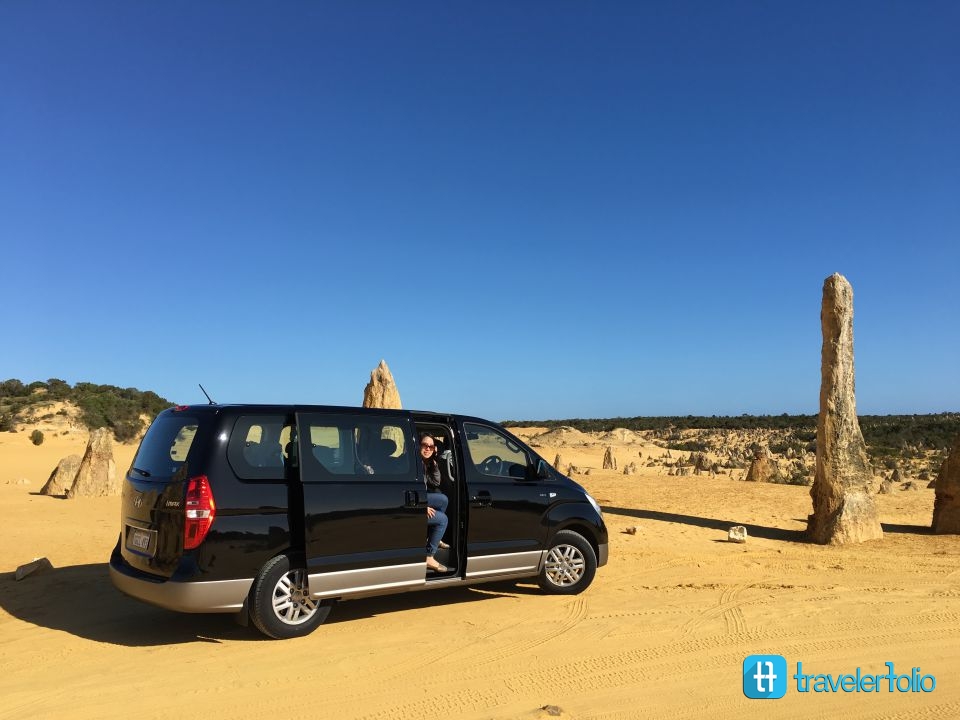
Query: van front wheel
{"x":280,"y":602}
{"x":569,"y":566}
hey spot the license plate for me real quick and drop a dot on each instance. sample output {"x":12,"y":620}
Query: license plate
{"x":140,"y":541}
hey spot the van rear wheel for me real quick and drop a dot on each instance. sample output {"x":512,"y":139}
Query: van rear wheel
{"x":280,"y":602}
{"x":569,"y":566}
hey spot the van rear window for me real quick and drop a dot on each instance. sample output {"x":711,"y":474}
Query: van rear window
{"x":166,"y":446}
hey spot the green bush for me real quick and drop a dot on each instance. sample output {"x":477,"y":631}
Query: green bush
{"x":126,"y":430}
{"x":12,"y":388}
{"x":36,"y":437}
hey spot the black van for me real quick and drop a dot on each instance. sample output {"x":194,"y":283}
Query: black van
{"x":275,"y":512}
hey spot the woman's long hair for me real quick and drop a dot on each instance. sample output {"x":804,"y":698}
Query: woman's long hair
{"x":430,"y":463}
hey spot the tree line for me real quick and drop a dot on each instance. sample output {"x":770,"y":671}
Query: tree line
{"x":883,"y":434}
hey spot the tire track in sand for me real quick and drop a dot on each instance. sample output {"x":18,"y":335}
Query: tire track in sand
{"x":641,"y":668}
{"x":469,"y":654}
{"x":728,"y":606}
{"x":576,"y":612}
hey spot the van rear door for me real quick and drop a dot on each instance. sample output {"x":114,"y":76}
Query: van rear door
{"x":365,"y":510}
{"x":152,"y":497}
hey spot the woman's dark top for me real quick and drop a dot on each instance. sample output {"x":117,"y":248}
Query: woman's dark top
{"x":431,"y":471}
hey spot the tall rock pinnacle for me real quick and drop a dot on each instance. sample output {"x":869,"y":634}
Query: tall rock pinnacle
{"x":381,"y":391}
{"x":843,"y":498}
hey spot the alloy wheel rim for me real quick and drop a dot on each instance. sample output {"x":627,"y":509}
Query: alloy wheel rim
{"x":565,"y":565}
{"x":291,"y":598}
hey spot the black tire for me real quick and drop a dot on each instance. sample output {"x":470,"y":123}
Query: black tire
{"x":569,"y":566}
{"x":280,"y":604}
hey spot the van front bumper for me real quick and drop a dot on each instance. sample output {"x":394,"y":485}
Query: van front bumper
{"x":218,"y":596}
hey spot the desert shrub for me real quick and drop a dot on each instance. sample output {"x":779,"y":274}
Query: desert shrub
{"x":125,"y":430}
{"x":58,"y":389}
{"x":690,"y":445}
{"x":6,"y":423}
{"x":36,"y":437}
{"x":782,"y":447}
{"x":12,"y":388}
{"x":117,"y":408}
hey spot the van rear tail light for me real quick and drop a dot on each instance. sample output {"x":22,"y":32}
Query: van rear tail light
{"x":200,"y":511}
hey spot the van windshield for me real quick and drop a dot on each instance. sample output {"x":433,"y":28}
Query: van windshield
{"x":166,"y":446}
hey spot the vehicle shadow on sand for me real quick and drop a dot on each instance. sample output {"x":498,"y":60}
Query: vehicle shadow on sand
{"x":760,"y":531}
{"x":82,"y":601}
{"x":386,"y":604}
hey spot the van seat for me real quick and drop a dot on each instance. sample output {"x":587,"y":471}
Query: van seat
{"x":382,"y":459}
{"x":324,"y":456}
{"x":251,"y":453}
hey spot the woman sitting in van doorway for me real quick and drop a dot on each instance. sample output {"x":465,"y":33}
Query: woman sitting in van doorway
{"x":436,"y":502}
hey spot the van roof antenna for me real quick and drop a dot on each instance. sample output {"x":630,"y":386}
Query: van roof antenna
{"x":208,"y":396}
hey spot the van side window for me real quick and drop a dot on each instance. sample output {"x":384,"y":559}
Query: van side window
{"x":493,"y":453}
{"x":257,"y":449}
{"x":355,"y":446}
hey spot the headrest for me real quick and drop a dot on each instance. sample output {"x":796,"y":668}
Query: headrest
{"x":386,"y":447}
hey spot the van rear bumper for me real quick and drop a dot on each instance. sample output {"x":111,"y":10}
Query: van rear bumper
{"x":218,"y":596}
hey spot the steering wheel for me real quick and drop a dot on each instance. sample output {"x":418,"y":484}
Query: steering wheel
{"x":491,"y":465}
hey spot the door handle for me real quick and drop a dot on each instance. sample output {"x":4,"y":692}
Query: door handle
{"x":481,"y":499}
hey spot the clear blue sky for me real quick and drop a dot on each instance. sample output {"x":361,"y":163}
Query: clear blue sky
{"x":531,"y":210}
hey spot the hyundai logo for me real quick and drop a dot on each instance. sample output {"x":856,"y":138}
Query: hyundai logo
{"x":139,"y":501}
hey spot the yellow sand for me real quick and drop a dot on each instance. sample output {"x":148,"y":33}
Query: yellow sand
{"x":662,"y":633}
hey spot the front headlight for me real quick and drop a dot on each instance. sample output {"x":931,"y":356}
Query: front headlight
{"x":596,"y":505}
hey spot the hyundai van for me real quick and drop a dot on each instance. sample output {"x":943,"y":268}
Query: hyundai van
{"x":275,"y":512}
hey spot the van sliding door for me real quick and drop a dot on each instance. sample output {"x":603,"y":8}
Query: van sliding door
{"x":365,"y":520}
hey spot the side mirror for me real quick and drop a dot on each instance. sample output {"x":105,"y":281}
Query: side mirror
{"x":543,"y":470}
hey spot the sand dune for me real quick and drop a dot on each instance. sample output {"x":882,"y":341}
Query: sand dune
{"x":662,"y":633}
